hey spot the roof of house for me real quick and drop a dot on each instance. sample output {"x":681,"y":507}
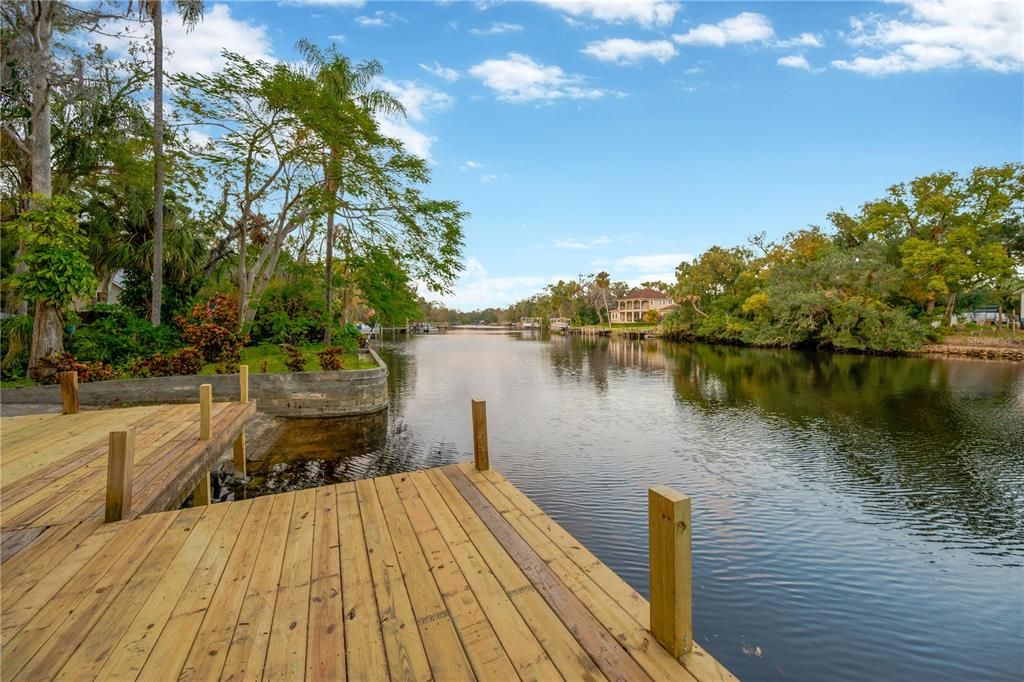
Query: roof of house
{"x":646,"y":292}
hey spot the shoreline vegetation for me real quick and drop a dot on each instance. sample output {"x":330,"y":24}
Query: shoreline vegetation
{"x":891,"y":278}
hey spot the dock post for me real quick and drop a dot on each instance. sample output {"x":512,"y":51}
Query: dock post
{"x":243,"y":397}
{"x":668,"y":518}
{"x":120,"y":458}
{"x":69,"y":391}
{"x":480,"y":455}
{"x":205,"y":412}
{"x":243,"y":384}
{"x":201,"y":495}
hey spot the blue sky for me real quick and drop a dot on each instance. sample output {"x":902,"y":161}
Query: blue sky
{"x":626,"y":136}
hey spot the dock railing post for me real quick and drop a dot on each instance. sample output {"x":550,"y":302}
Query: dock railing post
{"x":668,"y":518}
{"x":243,"y":384}
{"x":120,"y":458}
{"x":243,"y":398}
{"x":69,"y":391}
{"x":201,"y":495}
{"x":481,"y":457}
{"x":205,"y":412}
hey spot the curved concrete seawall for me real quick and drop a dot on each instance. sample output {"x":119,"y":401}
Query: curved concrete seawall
{"x":293,"y":394}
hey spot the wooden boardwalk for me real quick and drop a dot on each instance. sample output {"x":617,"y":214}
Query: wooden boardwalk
{"x":444,"y":574}
{"x":53,"y":468}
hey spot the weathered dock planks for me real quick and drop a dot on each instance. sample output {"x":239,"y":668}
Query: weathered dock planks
{"x":443,"y":574}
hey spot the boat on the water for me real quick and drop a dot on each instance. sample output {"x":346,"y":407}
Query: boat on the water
{"x":558,"y":324}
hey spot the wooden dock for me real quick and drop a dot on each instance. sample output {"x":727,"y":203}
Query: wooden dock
{"x":54,"y":468}
{"x":444,"y":574}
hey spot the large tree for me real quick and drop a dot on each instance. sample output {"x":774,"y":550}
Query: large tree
{"x":190,"y":12}
{"x":337,"y":78}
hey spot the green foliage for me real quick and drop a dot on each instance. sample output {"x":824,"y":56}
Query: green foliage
{"x":15,"y":337}
{"x":56,"y":269}
{"x":113,"y":335}
{"x":385,"y":286}
{"x":292,"y":311}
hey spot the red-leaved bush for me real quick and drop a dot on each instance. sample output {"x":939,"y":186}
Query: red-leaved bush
{"x":330,"y":358}
{"x":182,"y":362}
{"x":48,"y":369}
{"x":212,"y":329}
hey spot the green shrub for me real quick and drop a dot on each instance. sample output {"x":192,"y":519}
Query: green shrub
{"x":15,"y":338}
{"x":113,"y":335}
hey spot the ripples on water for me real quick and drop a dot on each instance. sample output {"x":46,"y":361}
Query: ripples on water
{"x":854,"y":517}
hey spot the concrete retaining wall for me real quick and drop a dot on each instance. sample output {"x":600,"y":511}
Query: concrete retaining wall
{"x":293,"y":394}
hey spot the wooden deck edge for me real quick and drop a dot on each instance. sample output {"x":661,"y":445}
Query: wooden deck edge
{"x":178,"y":489}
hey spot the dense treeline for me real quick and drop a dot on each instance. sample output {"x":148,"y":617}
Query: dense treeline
{"x":270,"y":183}
{"x":879,"y":279}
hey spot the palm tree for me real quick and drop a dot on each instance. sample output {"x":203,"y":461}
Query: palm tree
{"x":190,"y":12}
{"x":340,"y":79}
{"x":602,"y":282}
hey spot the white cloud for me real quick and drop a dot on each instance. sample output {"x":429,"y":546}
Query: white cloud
{"x":488,"y":178}
{"x":325,"y":3}
{"x":693,"y":71}
{"x":520,"y":79}
{"x":746,"y":27}
{"x":496,"y":28}
{"x":379,"y":19}
{"x":470,"y":165}
{"x":644,"y":12}
{"x":417,"y":99}
{"x":415,"y":141}
{"x":197,"y":51}
{"x":476,"y":289}
{"x":442,"y":72}
{"x":645,"y":266}
{"x":337,"y":37}
{"x":937,"y":34}
{"x":628,"y":51}
{"x":802,"y":40}
{"x":581,"y":244}
{"x":795,"y":61}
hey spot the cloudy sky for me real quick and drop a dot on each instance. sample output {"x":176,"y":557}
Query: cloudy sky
{"x":626,"y":136}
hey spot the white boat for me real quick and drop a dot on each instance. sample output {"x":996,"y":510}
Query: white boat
{"x":529,"y":323}
{"x":558,"y":324}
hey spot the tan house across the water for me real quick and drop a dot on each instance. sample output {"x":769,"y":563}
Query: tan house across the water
{"x":632,"y":306}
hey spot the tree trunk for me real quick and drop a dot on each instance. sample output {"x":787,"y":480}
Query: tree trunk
{"x":158,"y":161}
{"x":47,"y":334}
{"x":328,"y":278}
{"x":243,"y":281}
{"x":947,"y":316}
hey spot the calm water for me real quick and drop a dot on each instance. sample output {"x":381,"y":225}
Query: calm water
{"x":854,"y":517}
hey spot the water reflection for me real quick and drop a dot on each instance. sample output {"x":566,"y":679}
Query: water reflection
{"x":852,"y":515}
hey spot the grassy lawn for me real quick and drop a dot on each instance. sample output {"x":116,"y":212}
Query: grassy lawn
{"x":16,"y":383}
{"x":255,"y":356}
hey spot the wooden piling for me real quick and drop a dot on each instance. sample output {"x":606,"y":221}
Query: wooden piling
{"x":201,"y":495}
{"x":480,"y":455}
{"x":239,"y":453}
{"x":205,"y":412}
{"x":668,"y":518}
{"x":120,"y":459}
{"x":69,"y":391}
{"x":243,"y":384}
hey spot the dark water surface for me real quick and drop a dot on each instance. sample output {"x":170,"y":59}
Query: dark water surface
{"x":854,"y":517}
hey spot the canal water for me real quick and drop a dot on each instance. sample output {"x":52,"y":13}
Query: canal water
{"x":853,"y":517}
